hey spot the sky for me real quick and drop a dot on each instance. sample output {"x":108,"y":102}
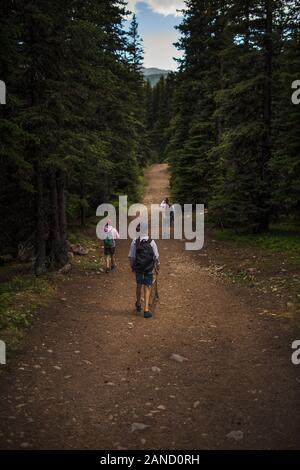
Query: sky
{"x":156,"y":19}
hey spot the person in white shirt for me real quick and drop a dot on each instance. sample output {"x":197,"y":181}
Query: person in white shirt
{"x":144,"y":259}
{"x":165,"y":204}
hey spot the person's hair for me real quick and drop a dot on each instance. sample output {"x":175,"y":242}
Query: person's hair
{"x":167,"y":201}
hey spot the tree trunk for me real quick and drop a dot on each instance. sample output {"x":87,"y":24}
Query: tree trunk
{"x":219,"y":118}
{"x":41,"y":231}
{"x":82,"y":213}
{"x":221,"y":76}
{"x":267,"y":114}
{"x":62,"y":257}
{"x":247,"y":25}
{"x":55,"y":237}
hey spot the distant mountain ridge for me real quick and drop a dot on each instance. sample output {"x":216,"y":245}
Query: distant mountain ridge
{"x":154,"y":74}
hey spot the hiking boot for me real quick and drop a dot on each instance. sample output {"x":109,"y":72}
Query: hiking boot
{"x":147,"y":314}
{"x":138,"y":308}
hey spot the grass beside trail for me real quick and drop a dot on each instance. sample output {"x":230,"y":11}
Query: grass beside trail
{"x":77,"y":236}
{"x":283,"y":239}
{"x":22,"y":293}
{"x":94,"y":261}
{"x":19,"y":298}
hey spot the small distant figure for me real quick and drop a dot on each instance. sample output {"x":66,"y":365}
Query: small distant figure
{"x":168,"y":211}
{"x":165,"y":203}
{"x":144,"y":259}
{"x":172,"y":214}
{"x":111,"y":234}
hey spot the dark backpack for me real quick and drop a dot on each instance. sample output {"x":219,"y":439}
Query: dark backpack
{"x":145,"y":258}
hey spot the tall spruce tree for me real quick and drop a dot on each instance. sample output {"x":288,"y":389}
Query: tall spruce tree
{"x":72,"y":125}
{"x":285,"y":164}
{"x":241,"y":196}
{"x":224,"y":138}
{"x":195,"y":128}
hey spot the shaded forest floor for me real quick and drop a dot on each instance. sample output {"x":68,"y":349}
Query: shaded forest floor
{"x":258,"y":267}
{"x":93,"y":374}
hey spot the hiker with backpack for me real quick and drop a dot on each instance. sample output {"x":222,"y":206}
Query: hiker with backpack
{"x":110,"y":236}
{"x":144,"y":259}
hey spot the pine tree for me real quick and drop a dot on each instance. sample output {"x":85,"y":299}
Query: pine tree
{"x":242,"y":199}
{"x":285,"y":164}
{"x":15,"y":176}
{"x":138,"y":95}
{"x":135,"y":50}
{"x":220,"y":144}
{"x":195,"y":128}
{"x":74,"y":123}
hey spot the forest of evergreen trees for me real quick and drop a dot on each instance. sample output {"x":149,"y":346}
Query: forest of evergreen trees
{"x":73,"y":131}
{"x":80,"y":123}
{"x":231,"y":131}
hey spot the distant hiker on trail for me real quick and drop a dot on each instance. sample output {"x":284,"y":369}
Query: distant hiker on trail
{"x":144,"y":259}
{"x":111,"y":234}
{"x":169,"y":207}
{"x":172,"y":213}
{"x":165,"y":203}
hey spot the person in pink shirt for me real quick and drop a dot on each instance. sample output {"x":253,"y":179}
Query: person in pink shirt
{"x":111,"y":234}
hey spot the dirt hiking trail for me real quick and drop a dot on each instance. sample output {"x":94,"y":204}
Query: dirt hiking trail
{"x":95,"y":375}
